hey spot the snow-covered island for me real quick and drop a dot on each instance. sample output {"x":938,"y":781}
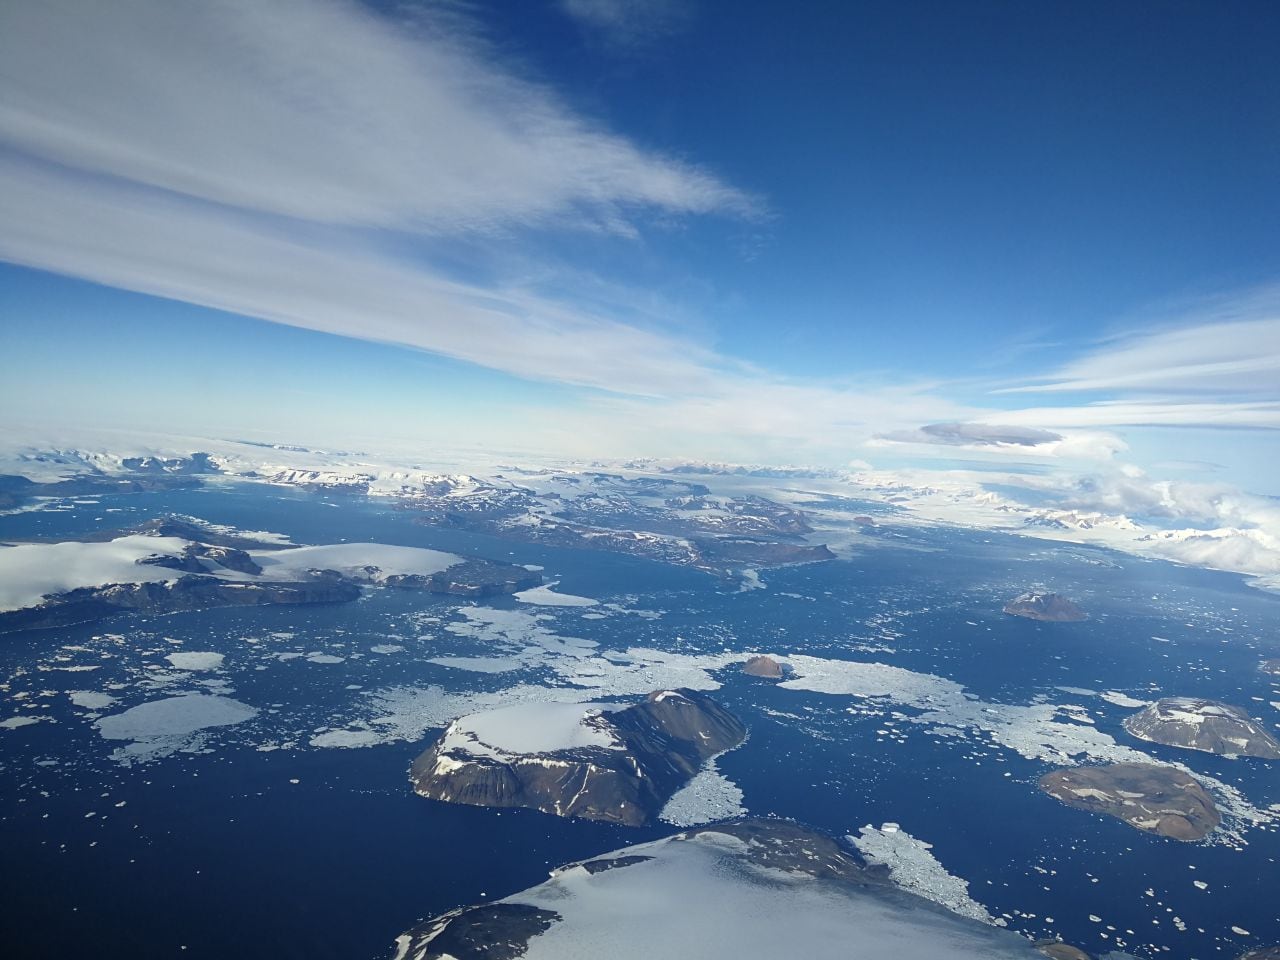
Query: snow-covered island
{"x":613,"y":762}
{"x":173,"y":564}
{"x":743,"y":888}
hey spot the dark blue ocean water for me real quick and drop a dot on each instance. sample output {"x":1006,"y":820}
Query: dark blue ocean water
{"x":217,"y":853}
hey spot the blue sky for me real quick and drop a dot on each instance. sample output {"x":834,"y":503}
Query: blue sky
{"x":754,"y":232}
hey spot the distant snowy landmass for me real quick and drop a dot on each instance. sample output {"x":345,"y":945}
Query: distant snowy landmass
{"x":659,"y":509}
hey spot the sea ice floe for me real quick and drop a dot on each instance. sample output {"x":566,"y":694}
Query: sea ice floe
{"x":546,"y":596}
{"x":323,"y":658}
{"x":161,"y":727}
{"x":91,"y":699}
{"x":482,"y":664}
{"x":913,"y":866}
{"x":196,"y":661}
{"x":708,"y":797}
{"x":13,"y":723}
{"x":517,"y":630}
{"x":1122,"y":699}
{"x":345,"y":738}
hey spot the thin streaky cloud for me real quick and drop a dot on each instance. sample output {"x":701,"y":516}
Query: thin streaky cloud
{"x":630,"y":24}
{"x":322,"y":110}
{"x":1235,"y":353}
{"x":198,"y":253}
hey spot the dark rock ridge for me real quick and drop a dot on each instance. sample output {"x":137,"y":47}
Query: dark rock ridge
{"x":1051,"y":607}
{"x":493,"y":931}
{"x":184,"y":562}
{"x":1206,"y":725}
{"x":763,"y":666}
{"x":472,"y":578}
{"x":814,"y":880}
{"x":1157,"y":799}
{"x":228,"y":557}
{"x":656,"y":747}
{"x":190,"y":560}
{"x":200,"y":533}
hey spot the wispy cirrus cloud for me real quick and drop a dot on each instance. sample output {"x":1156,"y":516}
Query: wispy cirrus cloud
{"x":1232,"y":349}
{"x":281,"y":161}
{"x":324,"y":111}
{"x":630,"y":23}
{"x":198,"y":253}
{"x":1170,"y":411}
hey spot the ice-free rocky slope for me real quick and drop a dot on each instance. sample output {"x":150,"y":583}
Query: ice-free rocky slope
{"x":1206,"y":725}
{"x":1154,"y":798}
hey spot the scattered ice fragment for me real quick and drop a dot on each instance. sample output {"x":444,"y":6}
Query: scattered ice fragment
{"x":13,"y":723}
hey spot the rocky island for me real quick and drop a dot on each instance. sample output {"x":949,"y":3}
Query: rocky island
{"x":1154,"y":798}
{"x":1051,"y":607}
{"x":1206,"y":725}
{"x":763,"y":666}
{"x":1270,"y":666}
{"x":608,"y":762}
{"x":743,"y":888}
